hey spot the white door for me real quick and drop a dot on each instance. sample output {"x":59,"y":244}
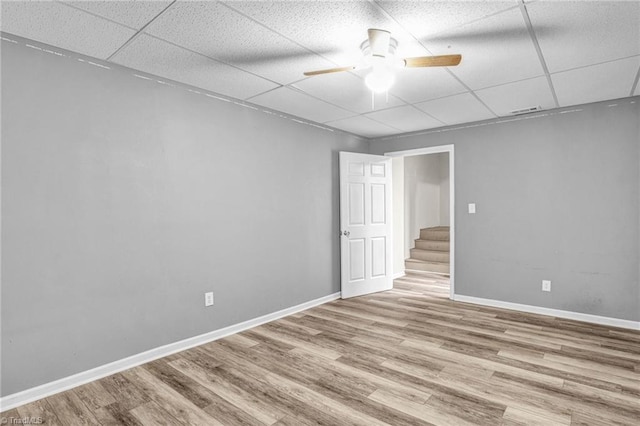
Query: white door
{"x":365,"y":224}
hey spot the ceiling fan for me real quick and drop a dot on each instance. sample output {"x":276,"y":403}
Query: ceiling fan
{"x":379,"y":55}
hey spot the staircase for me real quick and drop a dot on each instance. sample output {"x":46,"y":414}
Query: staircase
{"x":431,"y":252}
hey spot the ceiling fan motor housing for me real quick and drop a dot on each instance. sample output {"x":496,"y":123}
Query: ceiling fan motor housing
{"x":365,"y":47}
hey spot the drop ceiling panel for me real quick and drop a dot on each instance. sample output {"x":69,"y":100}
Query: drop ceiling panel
{"x":610,"y":80}
{"x":166,"y":60}
{"x":574,"y":34}
{"x":235,"y":39}
{"x":60,"y":25}
{"x":427,"y":18}
{"x":361,"y":125}
{"x":332,"y":29}
{"x":422,"y":84}
{"x":246,"y":49}
{"x":134,"y":14}
{"x":530,"y":93}
{"x":456,"y":109}
{"x":405,"y":118}
{"x":347,"y":91}
{"x":302,"y":105}
{"x":495,"y":50}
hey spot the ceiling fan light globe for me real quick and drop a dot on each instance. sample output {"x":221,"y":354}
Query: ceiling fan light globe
{"x":380,"y":80}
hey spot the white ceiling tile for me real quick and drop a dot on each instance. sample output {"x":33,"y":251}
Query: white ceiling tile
{"x":610,"y":80}
{"x":239,"y":41}
{"x":334,"y":29}
{"x":421,"y":84}
{"x":347,"y":91}
{"x":456,"y":109}
{"x":495,"y":50}
{"x":363,"y":126}
{"x":134,"y":14}
{"x":424,"y":18}
{"x":302,"y":105}
{"x":63,"y":26}
{"x":572,"y":34}
{"x":405,"y":118}
{"x":519,"y":95}
{"x":235,"y":39}
{"x":166,"y":60}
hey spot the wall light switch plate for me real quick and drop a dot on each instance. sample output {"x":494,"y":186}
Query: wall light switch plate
{"x":472,"y":208}
{"x":546,"y":285}
{"x":208,"y":299}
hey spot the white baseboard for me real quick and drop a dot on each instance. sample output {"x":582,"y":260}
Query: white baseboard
{"x":24,"y":397}
{"x":398,"y":275}
{"x":595,"y":319}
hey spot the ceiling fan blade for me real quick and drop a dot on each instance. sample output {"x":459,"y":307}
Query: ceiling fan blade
{"x":379,"y":42}
{"x":329,"y":70}
{"x":433,"y":61}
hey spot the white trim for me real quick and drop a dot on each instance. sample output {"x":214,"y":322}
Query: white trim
{"x":398,"y":275}
{"x":26,"y":396}
{"x":595,"y":319}
{"x":452,"y":201}
{"x":421,"y":151}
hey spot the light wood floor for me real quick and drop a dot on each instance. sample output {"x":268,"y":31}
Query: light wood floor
{"x":404,"y":357}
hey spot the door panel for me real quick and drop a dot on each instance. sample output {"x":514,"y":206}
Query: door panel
{"x":357,"y":259}
{"x":378,"y":255}
{"x":378,"y":207}
{"x":356,"y":204}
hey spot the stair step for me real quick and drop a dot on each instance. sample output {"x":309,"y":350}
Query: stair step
{"x":438,"y":233}
{"x":430,"y":255}
{"x":421,"y":265}
{"x":432,"y":245}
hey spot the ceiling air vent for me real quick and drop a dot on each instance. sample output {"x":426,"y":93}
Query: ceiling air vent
{"x":526,"y":110}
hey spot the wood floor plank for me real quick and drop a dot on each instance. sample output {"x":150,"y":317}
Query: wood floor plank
{"x":117,"y":414}
{"x":404,"y":357}
{"x":94,"y":395}
{"x":123,"y":391}
{"x":573,"y":401}
{"x":184,"y":385}
{"x":321,"y":402}
{"x":373,"y":381}
{"x":524,"y":417}
{"x":153,"y":414}
{"x":304,"y":414}
{"x":173,"y":402}
{"x":244,"y":400}
{"x":40,"y":410}
{"x":71,"y":410}
{"x":422,"y":413}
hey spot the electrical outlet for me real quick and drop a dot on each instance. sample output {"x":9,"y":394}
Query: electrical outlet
{"x":472,"y":208}
{"x":208,"y":299}
{"x":546,"y":285}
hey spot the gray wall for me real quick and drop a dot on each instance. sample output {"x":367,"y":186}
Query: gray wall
{"x":426,"y":178}
{"x":426,"y":189}
{"x":421,"y":196}
{"x":557,"y":198}
{"x":125,"y":200}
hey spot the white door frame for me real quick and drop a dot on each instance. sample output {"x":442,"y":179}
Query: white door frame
{"x":452,"y":199}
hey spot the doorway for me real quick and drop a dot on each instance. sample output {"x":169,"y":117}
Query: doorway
{"x":423,"y":214}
